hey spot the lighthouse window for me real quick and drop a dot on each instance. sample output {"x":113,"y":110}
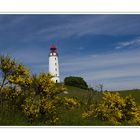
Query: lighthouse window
{"x":55,"y":64}
{"x":55,"y":58}
{"x":55,"y":69}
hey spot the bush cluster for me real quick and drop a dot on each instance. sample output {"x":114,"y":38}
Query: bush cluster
{"x":36,"y":96}
{"x":116,"y":109}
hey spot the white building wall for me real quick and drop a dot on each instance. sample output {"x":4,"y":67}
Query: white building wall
{"x":54,"y":67}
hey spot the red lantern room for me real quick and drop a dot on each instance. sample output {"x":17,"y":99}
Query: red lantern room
{"x":53,"y":48}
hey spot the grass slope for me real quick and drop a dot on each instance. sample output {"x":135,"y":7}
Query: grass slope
{"x":74,"y":117}
{"x":81,"y":93}
{"x":134,"y":93}
{"x":69,"y":118}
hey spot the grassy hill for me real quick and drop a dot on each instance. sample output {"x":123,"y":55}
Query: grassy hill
{"x":81,"y":93}
{"x":73,"y":117}
{"x":77,"y":92}
{"x":134,"y":93}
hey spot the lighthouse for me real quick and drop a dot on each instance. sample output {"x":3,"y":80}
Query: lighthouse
{"x":53,"y":64}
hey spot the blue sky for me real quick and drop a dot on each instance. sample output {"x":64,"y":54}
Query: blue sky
{"x":102,"y":48}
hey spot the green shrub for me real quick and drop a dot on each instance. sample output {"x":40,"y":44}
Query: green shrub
{"x":76,"y":82}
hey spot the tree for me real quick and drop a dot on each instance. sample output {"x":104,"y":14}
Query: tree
{"x":76,"y":82}
{"x":12,"y":77}
{"x":12,"y":74}
{"x":100,"y":88}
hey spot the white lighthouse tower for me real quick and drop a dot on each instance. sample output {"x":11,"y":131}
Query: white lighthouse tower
{"x":53,"y":64}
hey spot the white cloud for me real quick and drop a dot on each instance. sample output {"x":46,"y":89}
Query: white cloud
{"x":129,"y":44}
{"x":102,"y":61}
{"x":107,"y":68}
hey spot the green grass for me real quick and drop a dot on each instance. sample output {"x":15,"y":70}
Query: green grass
{"x":12,"y":118}
{"x":80,"y":93}
{"x":134,"y":93}
{"x":75,"y":92}
{"x":74,"y":117}
{"x":69,"y":118}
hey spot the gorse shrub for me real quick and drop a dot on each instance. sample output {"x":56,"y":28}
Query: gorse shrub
{"x":13,"y":76}
{"x":31,"y":108}
{"x":71,"y":103}
{"x":36,"y":96}
{"x":44,"y":102}
{"x":13,"y":73}
{"x":131,"y":111}
{"x":115,"y":109}
{"x":111,"y":107}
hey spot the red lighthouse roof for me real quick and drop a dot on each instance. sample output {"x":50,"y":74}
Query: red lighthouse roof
{"x":53,"y":47}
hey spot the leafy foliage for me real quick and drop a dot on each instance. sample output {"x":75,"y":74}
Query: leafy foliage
{"x":46,"y":103}
{"x":36,"y":96}
{"x":13,"y":77}
{"x":31,"y":108}
{"x":115,"y":109}
{"x":13,"y":73}
{"x":76,"y":82}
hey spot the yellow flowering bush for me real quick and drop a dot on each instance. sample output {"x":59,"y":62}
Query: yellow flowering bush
{"x":36,"y":96}
{"x":6,"y":64}
{"x":43,"y":85}
{"x":12,"y":73}
{"x":10,"y":93}
{"x":19,"y":76}
{"x":47,"y":93}
{"x":111,"y":107}
{"x":131,"y":111}
{"x":31,"y":108}
{"x":87,"y":114}
{"x":71,"y":102}
{"x":50,"y":109}
{"x":115,"y":109}
{"x":13,"y":77}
